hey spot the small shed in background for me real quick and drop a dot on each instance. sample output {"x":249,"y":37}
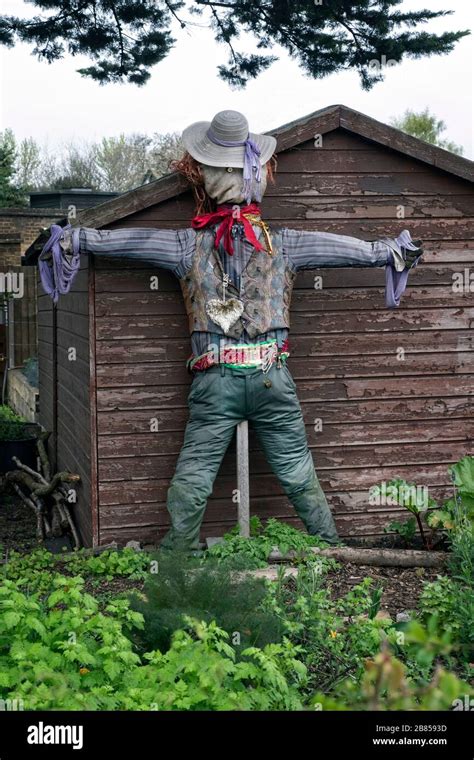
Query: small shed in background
{"x":391,"y":391}
{"x":18,"y":335}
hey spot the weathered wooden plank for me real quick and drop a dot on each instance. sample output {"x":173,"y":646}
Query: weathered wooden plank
{"x":220,"y":514}
{"x":172,"y":396}
{"x":68,"y":340}
{"x":323,"y":299}
{"x":376,"y":229}
{"x":124,"y":517}
{"x":74,"y":419}
{"x":172,"y":186}
{"x":114,"y":279}
{"x":131,"y":352}
{"x":176,"y":326}
{"x":354,"y":445}
{"x":122,"y":278}
{"x":77,"y":324}
{"x":366,"y":184}
{"x":334,"y":460}
{"x":75,"y":371}
{"x":433,"y":363}
{"x":149,"y":495}
{"x":303,"y":207}
{"x":395,"y":139}
{"x":335,"y":161}
{"x":372,"y":229}
{"x":133,"y":421}
{"x":73,"y":303}
{"x":347,"y":526}
{"x":321,"y":122}
{"x":116,"y":284}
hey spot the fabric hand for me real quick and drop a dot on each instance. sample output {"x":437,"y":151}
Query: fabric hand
{"x":412,"y":257}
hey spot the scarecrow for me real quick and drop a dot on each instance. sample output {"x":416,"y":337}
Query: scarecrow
{"x":236,"y":276}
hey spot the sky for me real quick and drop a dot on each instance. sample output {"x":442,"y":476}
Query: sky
{"x":54,"y":104}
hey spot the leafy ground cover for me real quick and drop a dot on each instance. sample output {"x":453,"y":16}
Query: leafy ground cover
{"x":149,"y":631}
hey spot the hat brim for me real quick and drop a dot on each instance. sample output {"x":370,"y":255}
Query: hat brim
{"x":197,"y":143}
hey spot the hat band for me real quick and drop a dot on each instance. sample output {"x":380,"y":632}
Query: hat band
{"x":251,"y":161}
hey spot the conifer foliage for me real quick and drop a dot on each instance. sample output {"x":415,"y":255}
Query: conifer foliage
{"x":124,"y":39}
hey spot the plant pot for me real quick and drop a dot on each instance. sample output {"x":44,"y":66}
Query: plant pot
{"x":25,"y":451}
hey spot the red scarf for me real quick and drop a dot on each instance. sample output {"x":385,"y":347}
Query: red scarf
{"x":226,"y":216}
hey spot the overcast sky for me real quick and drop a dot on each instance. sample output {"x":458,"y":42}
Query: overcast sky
{"x":55,"y":104}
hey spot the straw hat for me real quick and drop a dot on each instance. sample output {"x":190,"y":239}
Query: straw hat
{"x":203,"y":140}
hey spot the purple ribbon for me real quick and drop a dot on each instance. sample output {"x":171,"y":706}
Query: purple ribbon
{"x":251,"y":162}
{"x":396,"y":282}
{"x":58,"y":277}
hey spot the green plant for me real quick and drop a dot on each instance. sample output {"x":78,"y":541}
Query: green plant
{"x":415,"y":500}
{"x":256,"y":549}
{"x":209,"y":591}
{"x":125,"y":563}
{"x":406,"y":530}
{"x":460,"y":507}
{"x":200,"y":672}
{"x":334,"y":635}
{"x":34,"y":570}
{"x":13,"y":427}
{"x":58,"y":651}
{"x":438,"y":598}
{"x":386,"y":685}
{"x":462,"y":568}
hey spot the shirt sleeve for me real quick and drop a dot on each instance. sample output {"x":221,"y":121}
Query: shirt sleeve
{"x":312,"y":250}
{"x":168,"y":249}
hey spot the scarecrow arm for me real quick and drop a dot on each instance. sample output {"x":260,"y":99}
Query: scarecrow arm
{"x":168,"y":249}
{"x":313,"y":250}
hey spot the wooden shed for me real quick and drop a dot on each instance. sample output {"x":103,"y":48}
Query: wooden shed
{"x":384,"y":393}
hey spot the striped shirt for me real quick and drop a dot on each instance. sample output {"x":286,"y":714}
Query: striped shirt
{"x":174,"y":250}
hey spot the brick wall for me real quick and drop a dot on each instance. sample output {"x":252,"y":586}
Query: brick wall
{"x":19,"y":227}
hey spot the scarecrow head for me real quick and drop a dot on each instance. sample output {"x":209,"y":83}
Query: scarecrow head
{"x":224,"y":162}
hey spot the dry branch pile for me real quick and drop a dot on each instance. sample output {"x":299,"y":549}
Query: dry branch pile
{"x":47,"y":495}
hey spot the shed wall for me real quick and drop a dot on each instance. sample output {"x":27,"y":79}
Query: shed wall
{"x":385,"y":413}
{"x":66,"y":406}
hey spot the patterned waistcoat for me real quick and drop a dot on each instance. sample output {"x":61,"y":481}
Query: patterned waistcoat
{"x":266,"y":283}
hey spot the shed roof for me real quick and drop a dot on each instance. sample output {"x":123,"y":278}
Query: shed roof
{"x":288,"y":136}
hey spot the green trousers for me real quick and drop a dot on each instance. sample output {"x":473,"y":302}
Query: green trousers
{"x":217,"y":403}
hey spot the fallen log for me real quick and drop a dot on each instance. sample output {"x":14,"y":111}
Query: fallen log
{"x":376,"y":557}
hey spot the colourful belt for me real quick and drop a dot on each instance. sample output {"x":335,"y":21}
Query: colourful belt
{"x":245,"y":355}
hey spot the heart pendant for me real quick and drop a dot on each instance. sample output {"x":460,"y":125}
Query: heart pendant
{"x":224,"y":313}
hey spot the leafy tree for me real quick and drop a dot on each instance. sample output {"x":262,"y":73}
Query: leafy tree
{"x":122,"y":161}
{"x":163,"y":149}
{"x":427,"y":127}
{"x":79,"y":166}
{"x":125,"y":38}
{"x":10,"y":193}
{"x":28,"y":163}
{"x":127,"y":161}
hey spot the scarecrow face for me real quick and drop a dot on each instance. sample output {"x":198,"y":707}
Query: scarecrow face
{"x":224,"y":184}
